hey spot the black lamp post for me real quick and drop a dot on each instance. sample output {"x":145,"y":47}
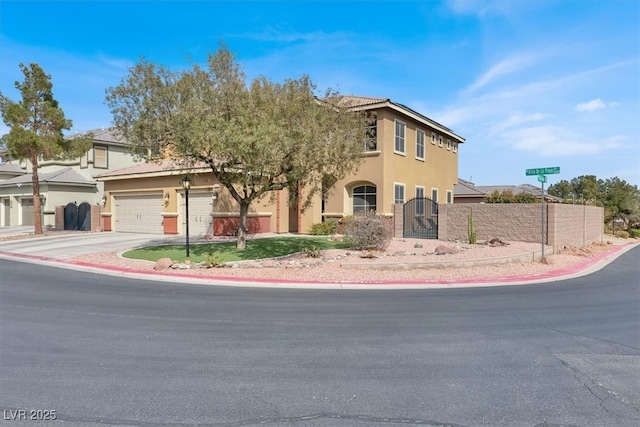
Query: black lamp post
{"x":186,"y":184}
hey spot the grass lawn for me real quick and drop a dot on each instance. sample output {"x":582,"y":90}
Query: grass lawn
{"x":256,"y":249}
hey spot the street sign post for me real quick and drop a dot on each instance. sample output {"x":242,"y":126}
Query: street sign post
{"x":542,"y":178}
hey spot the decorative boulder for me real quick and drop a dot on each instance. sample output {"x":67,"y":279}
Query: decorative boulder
{"x":497,"y":242}
{"x":162,"y":264}
{"x":445,"y":250}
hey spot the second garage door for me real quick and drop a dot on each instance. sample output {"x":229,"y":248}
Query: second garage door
{"x":200,"y":219}
{"x":139,"y":214}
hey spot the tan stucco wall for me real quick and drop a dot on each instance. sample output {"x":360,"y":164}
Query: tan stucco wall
{"x":564,"y":224}
{"x":439,"y":169}
{"x":575,"y":225}
{"x":224,"y":205}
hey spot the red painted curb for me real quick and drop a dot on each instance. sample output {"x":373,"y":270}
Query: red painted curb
{"x":507,"y":279}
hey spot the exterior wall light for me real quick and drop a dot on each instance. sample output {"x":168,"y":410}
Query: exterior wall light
{"x":103,"y":201}
{"x":166,"y":197}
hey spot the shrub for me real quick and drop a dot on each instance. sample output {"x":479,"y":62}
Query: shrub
{"x":635,"y":233}
{"x":622,"y":234}
{"x":213,"y":259}
{"x":323,"y":228}
{"x":311,"y":251}
{"x":366,"y":230}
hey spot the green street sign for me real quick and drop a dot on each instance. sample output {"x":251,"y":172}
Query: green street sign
{"x":542,"y":178}
{"x":543,"y":171}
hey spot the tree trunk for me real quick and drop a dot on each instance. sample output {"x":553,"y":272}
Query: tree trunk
{"x":242,"y":228}
{"x":37,"y":208}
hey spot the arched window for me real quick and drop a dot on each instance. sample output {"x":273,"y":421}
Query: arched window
{"x":364,"y":198}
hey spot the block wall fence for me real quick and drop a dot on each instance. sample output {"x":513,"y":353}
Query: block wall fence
{"x":565,"y":225}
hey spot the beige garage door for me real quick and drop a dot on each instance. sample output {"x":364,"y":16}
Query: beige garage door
{"x":139,"y":214}
{"x":28,"y":217}
{"x":200,"y":219}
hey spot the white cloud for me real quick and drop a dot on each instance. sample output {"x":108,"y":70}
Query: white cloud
{"x":516,"y":120}
{"x":595,"y":104}
{"x":555,"y":141}
{"x":502,"y":68}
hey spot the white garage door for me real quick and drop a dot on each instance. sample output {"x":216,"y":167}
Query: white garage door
{"x":200,"y":219}
{"x":139,"y":214}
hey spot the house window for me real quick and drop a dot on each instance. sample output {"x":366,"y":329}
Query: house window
{"x":440,"y":141}
{"x":419,"y":200}
{"x":420,"y":145}
{"x":364,"y":198}
{"x":434,"y":200}
{"x":448,"y":144}
{"x":398,"y":191}
{"x":433,"y":138}
{"x":100,"y":157}
{"x":400,"y":130}
{"x":455,"y":147}
{"x":449,"y":197}
{"x":371,"y":132}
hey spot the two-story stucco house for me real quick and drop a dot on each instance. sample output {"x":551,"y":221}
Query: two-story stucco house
{"x":61,"y":181}
{"x":405,"y":155}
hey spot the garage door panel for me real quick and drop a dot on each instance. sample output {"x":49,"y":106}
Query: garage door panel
{"x":200,"y":218}
{"x":139,"y":214}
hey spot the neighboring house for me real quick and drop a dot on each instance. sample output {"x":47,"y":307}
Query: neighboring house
{"x":467,"y":192}
{"x":61,"y":181}
{"x":406,"y":155}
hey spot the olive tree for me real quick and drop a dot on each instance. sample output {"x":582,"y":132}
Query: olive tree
{"x":256,"y":137}
{"x":35,"y":126}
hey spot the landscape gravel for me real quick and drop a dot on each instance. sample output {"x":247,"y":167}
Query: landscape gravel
{"x":401,"y":262}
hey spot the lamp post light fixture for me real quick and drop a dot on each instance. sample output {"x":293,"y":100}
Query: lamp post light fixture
{"x":186,"y":185}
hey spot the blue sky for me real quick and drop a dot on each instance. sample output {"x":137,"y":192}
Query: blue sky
{"x":528,"y":83}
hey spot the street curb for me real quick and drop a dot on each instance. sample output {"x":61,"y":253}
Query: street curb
{"x":587,"y":267}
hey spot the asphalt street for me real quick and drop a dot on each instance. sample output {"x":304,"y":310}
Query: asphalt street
{"x":103,"y":350}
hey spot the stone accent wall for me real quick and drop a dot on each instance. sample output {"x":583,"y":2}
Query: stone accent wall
{"x":575,"y":225}
{"x":506,"y":221}
{"x":565,"y":225}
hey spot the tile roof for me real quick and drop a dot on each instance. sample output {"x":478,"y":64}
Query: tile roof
{"x":467,"y":189}
{"x":359,"y":101}
{"x":10,"y":168}
{"x":62,"y":176}
{"x":356,"y":101}
{"x":103,"y":135}
{"x":151,"y":167}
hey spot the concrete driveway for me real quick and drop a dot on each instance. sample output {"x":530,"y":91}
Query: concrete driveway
{"x":16,"y":230}
{"x":70,"y":245}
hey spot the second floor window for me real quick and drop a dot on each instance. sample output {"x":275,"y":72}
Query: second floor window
{"x":420,"y":145}
{"x":100,"y":157}
{"x":371,"y":133}
{"x":400,"y":130}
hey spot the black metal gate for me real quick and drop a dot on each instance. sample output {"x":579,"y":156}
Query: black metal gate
{"x":420,"y":218}
{"x":77,"y":217}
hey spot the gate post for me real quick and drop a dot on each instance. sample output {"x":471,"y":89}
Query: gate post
{"x":398,"y":220}
{"x":443,"y":214}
